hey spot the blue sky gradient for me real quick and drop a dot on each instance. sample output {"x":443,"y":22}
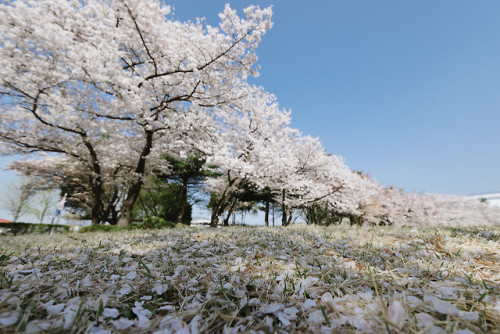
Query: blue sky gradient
{"x":408,"y":91}
{"x":405,"y":90}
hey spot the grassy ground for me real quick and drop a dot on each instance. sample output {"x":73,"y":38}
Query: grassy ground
{"x":253,"y":279}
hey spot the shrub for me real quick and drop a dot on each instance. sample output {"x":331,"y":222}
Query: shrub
{"x":26,"y":228}
{"x":156,"y":222}
{"x":151,"y":222}
{"x":100,"y":228}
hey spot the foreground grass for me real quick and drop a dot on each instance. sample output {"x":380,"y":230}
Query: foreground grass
{"x":253,"y":279}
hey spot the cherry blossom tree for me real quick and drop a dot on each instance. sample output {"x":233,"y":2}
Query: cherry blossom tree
{"x":16,"y":199}
{"x":399,"y":207}
{"x":259,"y":152}
{"x":114,"y":85}
{"x":248,"y":130}
{"x":75,"y":178}
{"x":42,"y":202}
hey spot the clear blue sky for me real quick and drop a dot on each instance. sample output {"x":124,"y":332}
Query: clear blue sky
{"x":408,"y":91}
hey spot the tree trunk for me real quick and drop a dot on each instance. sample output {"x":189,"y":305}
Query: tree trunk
{"x":289,"y":219}
{"x":266,"y":216}
{"x":43,"y":212}
{"x":180,"y":217}
{"x":229,"y":212}
{"x":274,"y":209}
{"x":114,"y":216}
{"x":95,"y":184}
{"x":216,"y":210}
{"x":135,"y":188}
{"x":128,"y":204}
{"x":284,"y":221}
{"x":214,"y":220}
{"x":355,"y":220}
{"x":17,"y":213}
{"x":226,"y":220}
{"x":96,"y":211}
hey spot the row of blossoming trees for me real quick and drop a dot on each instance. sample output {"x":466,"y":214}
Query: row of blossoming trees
{"x":104,"y":95}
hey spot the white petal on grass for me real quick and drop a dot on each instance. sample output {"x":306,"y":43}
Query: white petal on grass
{"x":316,"y":317}
{"x":243,"y":302}
{"x":160,"y":288}
{"x":444,"y":307}
{"x":447,"y":291}
{"x":55,"y":309}
{"x":167,"y":308}
{"x":359,"y":322}
{"x":327,"y":299}
{"x":272,"y":308}
{"x":254,"y":302}
{"x":397,"y":313}
{"x":291,"y":310}
{"x":304,"y":284}
{"x":284,"y":319}
{"x":278,"y":290}
{"x":97,"y":330}
{"x":143,"y":315}
{"x":463,"y":331}
{"x":140,"y":311}
{"x":87,"y":281}
{"x":174,"y":324}
{"x":497,"y":306}
{"x":350,"y":265}
{"x":441,"y":306}
{"x":163,"y":331}
{"x":183,"y":330}
{"x":110,"y":313}
{"x":309,"y":303}
{"x":240,"y":293}
{"x":38,"y":326}
{"x":8,"y":318}
{"x":366,"y":295}
{"x":413,"y":301}
{"x":269,"y":322}
{"x":340,"y":321}
{"x":143,"y":323}
{"x":470,"y":316}
{"x":373,"y":308}
{"x":194,"y":325}
{"x":131,"y":275}
{"x":126,"y":289}
{"x":436,"y":330}
{"x":69,"y":316}
{"x":424,"y":320}
{"x":122,"y":323}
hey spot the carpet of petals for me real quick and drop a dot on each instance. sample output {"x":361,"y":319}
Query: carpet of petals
{"x":253,"y":279}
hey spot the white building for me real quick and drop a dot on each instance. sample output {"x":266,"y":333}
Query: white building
{"x":493,"y":199}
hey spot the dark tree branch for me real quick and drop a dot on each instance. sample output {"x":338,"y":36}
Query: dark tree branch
{"x":213,"y":60}
{"x":335,"y":189}
{"x":142,"y":39}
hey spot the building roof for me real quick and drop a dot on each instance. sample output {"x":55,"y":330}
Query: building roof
{"x":4,"y":221}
